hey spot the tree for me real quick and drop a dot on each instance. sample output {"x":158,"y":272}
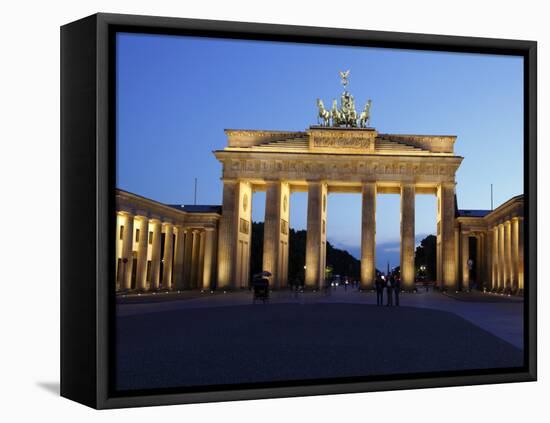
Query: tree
{"x":339,"y":261}
{"x":426,"y":255}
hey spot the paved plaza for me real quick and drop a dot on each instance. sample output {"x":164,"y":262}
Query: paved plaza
{"x":194,"y":338}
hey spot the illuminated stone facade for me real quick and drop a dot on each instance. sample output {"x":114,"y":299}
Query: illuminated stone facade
{"x":163,"y":247}
{"x":497,"y":264}
{"x":321,"y":161}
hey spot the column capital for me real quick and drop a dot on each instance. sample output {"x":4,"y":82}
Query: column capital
{"x":273,"y":180}
{"x":316,"y":181}
{"x":407,"y":184}
{"x":447,"y":184}
{"x":368,"y":182}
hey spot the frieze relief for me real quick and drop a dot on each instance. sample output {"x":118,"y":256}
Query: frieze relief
{"x":308,"y":168}
{"x":361,"y":143}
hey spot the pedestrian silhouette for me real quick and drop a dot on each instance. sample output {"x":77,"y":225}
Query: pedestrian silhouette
{"x":379,"y":285}
{"x":389,"y":295}
{"x":397,"y":289}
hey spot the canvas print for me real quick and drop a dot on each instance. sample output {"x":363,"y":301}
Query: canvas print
{"x":292,"y":213}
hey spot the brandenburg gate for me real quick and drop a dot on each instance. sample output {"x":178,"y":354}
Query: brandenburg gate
{"x":340,"y":155}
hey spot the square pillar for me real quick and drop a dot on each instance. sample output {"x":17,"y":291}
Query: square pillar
{"x":235,"y":233}
{"x":316,"y":240}
{"x":143,"y":244}
{"x":276,"y":232}
{"x":446,"y":235}
{"x":368,"y":235}
{"x":407,"y":236}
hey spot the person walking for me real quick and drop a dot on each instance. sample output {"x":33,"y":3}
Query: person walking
{"x":397,"y":289}
{"x":389,"y":295}
{"x":379,"y":285}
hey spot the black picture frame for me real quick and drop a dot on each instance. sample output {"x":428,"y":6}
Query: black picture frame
{"x":87,"y":202}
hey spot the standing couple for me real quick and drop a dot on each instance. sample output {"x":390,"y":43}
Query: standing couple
{"x":392,"y":284}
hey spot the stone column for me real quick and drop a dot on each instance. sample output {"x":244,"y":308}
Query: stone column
{"x":368,"y":235}
{"x":155,"y":255}
{"x":195,"y":258}
{"x":127,"y":246}
{"x":480,"y":259}
{"x":521,"y":223}
{"x":235,"y":233}
{"x":179,"y":255}
{"x":508,"y":254}
{"x":188,"y":259}
{"x":458,"y":252}
{"x":496,"y":258}
{"x":465,"y":249}
{"x":143,"y":244}
{"x":501,"y":262}
{"x":227,"y":240}
{"x":489,"y":259}
{"x":446,"y":222}
{"x":168,"y":255}
{"x":514,"y":254}
{"x":202,"y":237}
{"x":407,"y":236}
{"x":276,"y":227}
{"x":208,"y":258}
{"x":316,"y":235}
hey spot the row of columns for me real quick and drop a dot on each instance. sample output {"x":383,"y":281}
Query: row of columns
{"x":499,"y":258}
{"x":507,"y":273}
{"x":234,"y":242}
{"x":188,"y":255}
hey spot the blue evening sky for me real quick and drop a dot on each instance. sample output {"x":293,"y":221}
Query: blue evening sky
{"x":176,"y":95}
